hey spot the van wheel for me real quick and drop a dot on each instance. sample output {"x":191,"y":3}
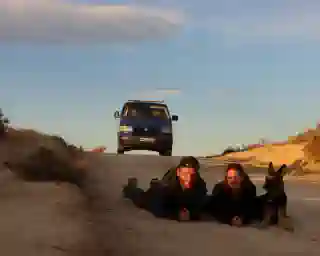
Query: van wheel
{"x":166,"y":153}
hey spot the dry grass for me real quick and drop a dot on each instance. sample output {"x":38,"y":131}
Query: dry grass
{"x":279,"y":154}
{"x":311,"y":139}
{"x":312,"y":149}
{"x":303,"y":137}
{"x":35,"y":156}
{"x":301,"y":152}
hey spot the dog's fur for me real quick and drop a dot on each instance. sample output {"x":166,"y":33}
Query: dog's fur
{"x":272,"y":206}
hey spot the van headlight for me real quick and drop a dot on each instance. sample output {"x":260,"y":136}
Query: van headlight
{"x":166,"y":129}
{"x":125,"y":128}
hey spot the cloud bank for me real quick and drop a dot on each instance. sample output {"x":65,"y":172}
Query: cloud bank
{"x":65,"y":21}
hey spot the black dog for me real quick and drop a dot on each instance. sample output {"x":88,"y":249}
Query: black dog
{"x":271,"y":207}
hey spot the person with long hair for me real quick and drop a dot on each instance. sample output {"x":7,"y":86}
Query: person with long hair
{"x":232,"y":200}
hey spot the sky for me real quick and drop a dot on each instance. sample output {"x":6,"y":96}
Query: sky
{"x":233,"y":71}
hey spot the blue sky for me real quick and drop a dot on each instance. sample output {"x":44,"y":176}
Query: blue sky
{"x":244,"y":69}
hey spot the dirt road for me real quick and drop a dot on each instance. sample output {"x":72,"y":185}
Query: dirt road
{"x":41,"y":218}
{"x":119,"y":223}
{"x":34,"y":223}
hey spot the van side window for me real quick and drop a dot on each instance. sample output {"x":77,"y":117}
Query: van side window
{"x":132,"y":112}
{"x":129,"y":111}
{"x":124,"y":111}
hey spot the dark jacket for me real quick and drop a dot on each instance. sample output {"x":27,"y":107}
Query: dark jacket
{"x":177,"y":198}
{"x":170,"y":176}
{"x":225,"y":205}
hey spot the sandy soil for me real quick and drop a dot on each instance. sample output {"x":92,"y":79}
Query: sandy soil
{"x":278,"y":154}
{"x":40,"y":218}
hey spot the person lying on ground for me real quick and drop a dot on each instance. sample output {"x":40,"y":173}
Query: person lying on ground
{"x":180,"y":194}
{"x":232,"y":200}
{"x":186,"y":190}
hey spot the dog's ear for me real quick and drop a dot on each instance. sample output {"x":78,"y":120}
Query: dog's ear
{"x":271,"y":170}
{"x":282,"y":170}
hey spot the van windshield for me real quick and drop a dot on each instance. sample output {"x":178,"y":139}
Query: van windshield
{"x":146,"y":110}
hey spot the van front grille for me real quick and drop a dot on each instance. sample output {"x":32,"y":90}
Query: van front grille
{"x":145,"y":131}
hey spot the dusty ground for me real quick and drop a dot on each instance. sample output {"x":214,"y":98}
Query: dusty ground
{"x":93,"y":219}
{"x":46,"y":216}
{"x":303,"y":148}
{"x":41,"y":218}
{"x":280,"y":154}
{"x":46,"y":219}
{"x":297,"y":157}
{"x":117,"y":222}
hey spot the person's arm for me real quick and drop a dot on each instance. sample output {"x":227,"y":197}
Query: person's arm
{"x":221,"y":207}
{"x":201,"y":186}
{"x":168,"y":175}
{"x":252,"y":190}
{"x":218,"y":190}
{"x":246,"y":206}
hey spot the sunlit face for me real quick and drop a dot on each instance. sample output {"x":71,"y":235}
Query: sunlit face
{"x":185,"y":175}
{"x":233,"y":178}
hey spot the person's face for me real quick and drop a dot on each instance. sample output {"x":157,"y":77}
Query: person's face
{"x":233,"y":178}
{"x":185,"y":175}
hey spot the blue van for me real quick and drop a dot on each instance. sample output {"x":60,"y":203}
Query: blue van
{"x":145,"y":125}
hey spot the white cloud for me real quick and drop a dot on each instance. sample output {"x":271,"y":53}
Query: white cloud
{"x":66,"y":21}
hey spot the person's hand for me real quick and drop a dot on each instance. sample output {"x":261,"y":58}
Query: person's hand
{"x":236,"y":221}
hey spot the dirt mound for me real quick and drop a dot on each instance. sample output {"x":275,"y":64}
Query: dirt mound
{"x":279,"y":154}
{"x":303,"y":147}
{"x":42,"y":219}
{"x":312,"y":149}
{"x":36,"y":156}
{"x":56,"y":213}
{"x":304,"y":137}
{"x":311,"y":139}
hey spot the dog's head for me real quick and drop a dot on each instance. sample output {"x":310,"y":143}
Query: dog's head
{"x":274,"y":184}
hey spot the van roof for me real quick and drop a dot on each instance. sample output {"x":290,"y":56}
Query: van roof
{"x":147,"y":101}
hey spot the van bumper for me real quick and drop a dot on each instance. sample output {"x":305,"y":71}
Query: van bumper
{"x":155,"y":143}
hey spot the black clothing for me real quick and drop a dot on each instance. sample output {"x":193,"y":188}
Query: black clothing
{"x":226,"y":203}
{"x":166,"y":197}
